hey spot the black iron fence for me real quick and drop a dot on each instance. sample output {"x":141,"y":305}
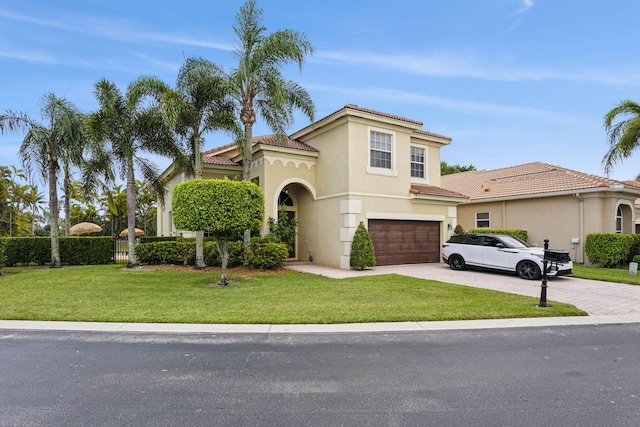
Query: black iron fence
{"x":120,"y":250}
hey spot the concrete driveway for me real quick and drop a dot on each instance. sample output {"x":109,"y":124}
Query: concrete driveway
{"x":595,"y":297}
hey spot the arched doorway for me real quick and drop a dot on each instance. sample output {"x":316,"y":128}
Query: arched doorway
{"x":287,"y":215}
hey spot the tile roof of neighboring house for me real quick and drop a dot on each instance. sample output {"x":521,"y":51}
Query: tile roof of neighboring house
{"x":210,"y":156}
{"x":430,"y":190}
{"x":523,"y":180}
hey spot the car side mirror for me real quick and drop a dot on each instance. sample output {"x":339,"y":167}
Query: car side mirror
{"x":500,"y":245}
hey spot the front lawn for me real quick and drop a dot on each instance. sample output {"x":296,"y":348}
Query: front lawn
{"x":618,"y":275}
{"x":111,"y":293}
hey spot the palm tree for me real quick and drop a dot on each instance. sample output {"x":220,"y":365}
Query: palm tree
{"x":258,"y":86}
{"x":624,"y":136}
{"x":43,"y":147}
{"x":199,"y":104}
{"x":127,"y":126}
{"x":115,"y":204}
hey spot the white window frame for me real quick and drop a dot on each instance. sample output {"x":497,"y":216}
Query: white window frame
{"x":392,"y":171}
{"x":425,"y":178}
{"x":487,"y":220}
{"x":619,"y":220}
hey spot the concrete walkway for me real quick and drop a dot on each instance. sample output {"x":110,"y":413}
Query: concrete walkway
{"x":606,"y":303}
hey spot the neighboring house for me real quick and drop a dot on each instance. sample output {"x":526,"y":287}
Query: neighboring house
{"x":355,"y":165}
{"x":550,"y":202}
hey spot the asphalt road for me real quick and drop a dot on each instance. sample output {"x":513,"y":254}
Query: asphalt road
{"x":552,"y":376}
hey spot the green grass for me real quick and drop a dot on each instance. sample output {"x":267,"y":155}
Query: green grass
{"x":618,"y":275}
{"x":115,"y":294}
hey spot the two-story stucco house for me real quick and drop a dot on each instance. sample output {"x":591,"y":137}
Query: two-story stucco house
{"x":354,"y":165}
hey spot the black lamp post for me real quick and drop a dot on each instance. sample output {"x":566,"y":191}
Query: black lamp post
{"x":543,"y":291}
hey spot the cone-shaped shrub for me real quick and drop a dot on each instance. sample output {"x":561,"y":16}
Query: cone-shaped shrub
{"x":362,"y":253}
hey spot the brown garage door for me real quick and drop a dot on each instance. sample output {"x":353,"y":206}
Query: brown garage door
{"x":405,"y":242}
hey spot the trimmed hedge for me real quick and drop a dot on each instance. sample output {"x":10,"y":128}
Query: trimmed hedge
{"x":522,"y":234}
{"x":610,"y":249}
{"x":73,"y":250}
{"x":264,"y":253}
{"x":183,"y":252}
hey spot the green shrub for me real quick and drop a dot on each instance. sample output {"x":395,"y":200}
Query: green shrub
{"x":522,"y":234}
{"x":362,"y":253}
{"x":73,"y":250}
{"x":609,"y":249}
{"x":265,"y":254}
{"x":151,"y":239}
{"x":27,"y":250}
{"x":183,"y":252}
{"x":86,"y":250}
{"x":458,"y":229}
{"x":212,"y":256}
{"x":636,"y":259}
{"x":167,"y":252}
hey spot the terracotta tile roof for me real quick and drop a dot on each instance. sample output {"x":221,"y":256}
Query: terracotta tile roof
{"x":523,"y":180}
{"x":431,"y":190}
{"x":271,"y":140}
{"x":275,"y":141}
{"x":424,"y":132}
{"x":218,"y":160}
{"x":378,"y":113}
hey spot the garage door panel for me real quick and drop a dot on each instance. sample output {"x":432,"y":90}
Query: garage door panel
{"x":405,"y":242}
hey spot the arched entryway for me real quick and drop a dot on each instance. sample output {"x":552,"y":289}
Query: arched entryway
{"x":287,"y":217}
{"x":295,"y":199}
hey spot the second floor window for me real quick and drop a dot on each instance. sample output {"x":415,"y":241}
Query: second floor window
{"x":380,"y":145}
{"x":417,"y":162}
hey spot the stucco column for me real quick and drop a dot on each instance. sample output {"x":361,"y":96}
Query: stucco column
{"x":349,"y":209}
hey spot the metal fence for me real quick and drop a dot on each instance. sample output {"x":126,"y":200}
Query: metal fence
{"x":120,"y":250}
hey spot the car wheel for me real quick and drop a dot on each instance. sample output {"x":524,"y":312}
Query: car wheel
{"x":528,"y":270}
{"x":456,"y":262}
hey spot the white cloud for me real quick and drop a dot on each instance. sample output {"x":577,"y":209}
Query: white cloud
{"x":112,"y":29}
{"x":471,"y":65}
{"x":526,"y":5}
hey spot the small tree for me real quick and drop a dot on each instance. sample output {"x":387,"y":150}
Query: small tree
{"x":362,"y":253}
{"x":222,"y":207}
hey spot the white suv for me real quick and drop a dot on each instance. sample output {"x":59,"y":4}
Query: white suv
{"x":503,"y":252}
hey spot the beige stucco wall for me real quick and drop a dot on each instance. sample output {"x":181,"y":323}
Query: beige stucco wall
{"x":349,"y":192}
{"x":561,"y":219}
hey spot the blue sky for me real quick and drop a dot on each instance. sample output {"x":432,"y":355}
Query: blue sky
{"x":511,"y":81}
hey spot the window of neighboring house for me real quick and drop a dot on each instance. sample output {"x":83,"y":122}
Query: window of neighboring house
{"x":619,"y":220}
{"x":482,"y":220}
{"x":417,"y":162}
{"x":380,"y":145}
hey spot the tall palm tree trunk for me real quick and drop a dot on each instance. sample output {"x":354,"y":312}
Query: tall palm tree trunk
{"x":248,"y":118}
{"x":131,"y":215}
{"x":199,"y":263}
{"x":53,"y":212}
{"x":67,"y":200}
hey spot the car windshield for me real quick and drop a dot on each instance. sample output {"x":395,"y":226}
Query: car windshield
{"x":514,"y":242}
